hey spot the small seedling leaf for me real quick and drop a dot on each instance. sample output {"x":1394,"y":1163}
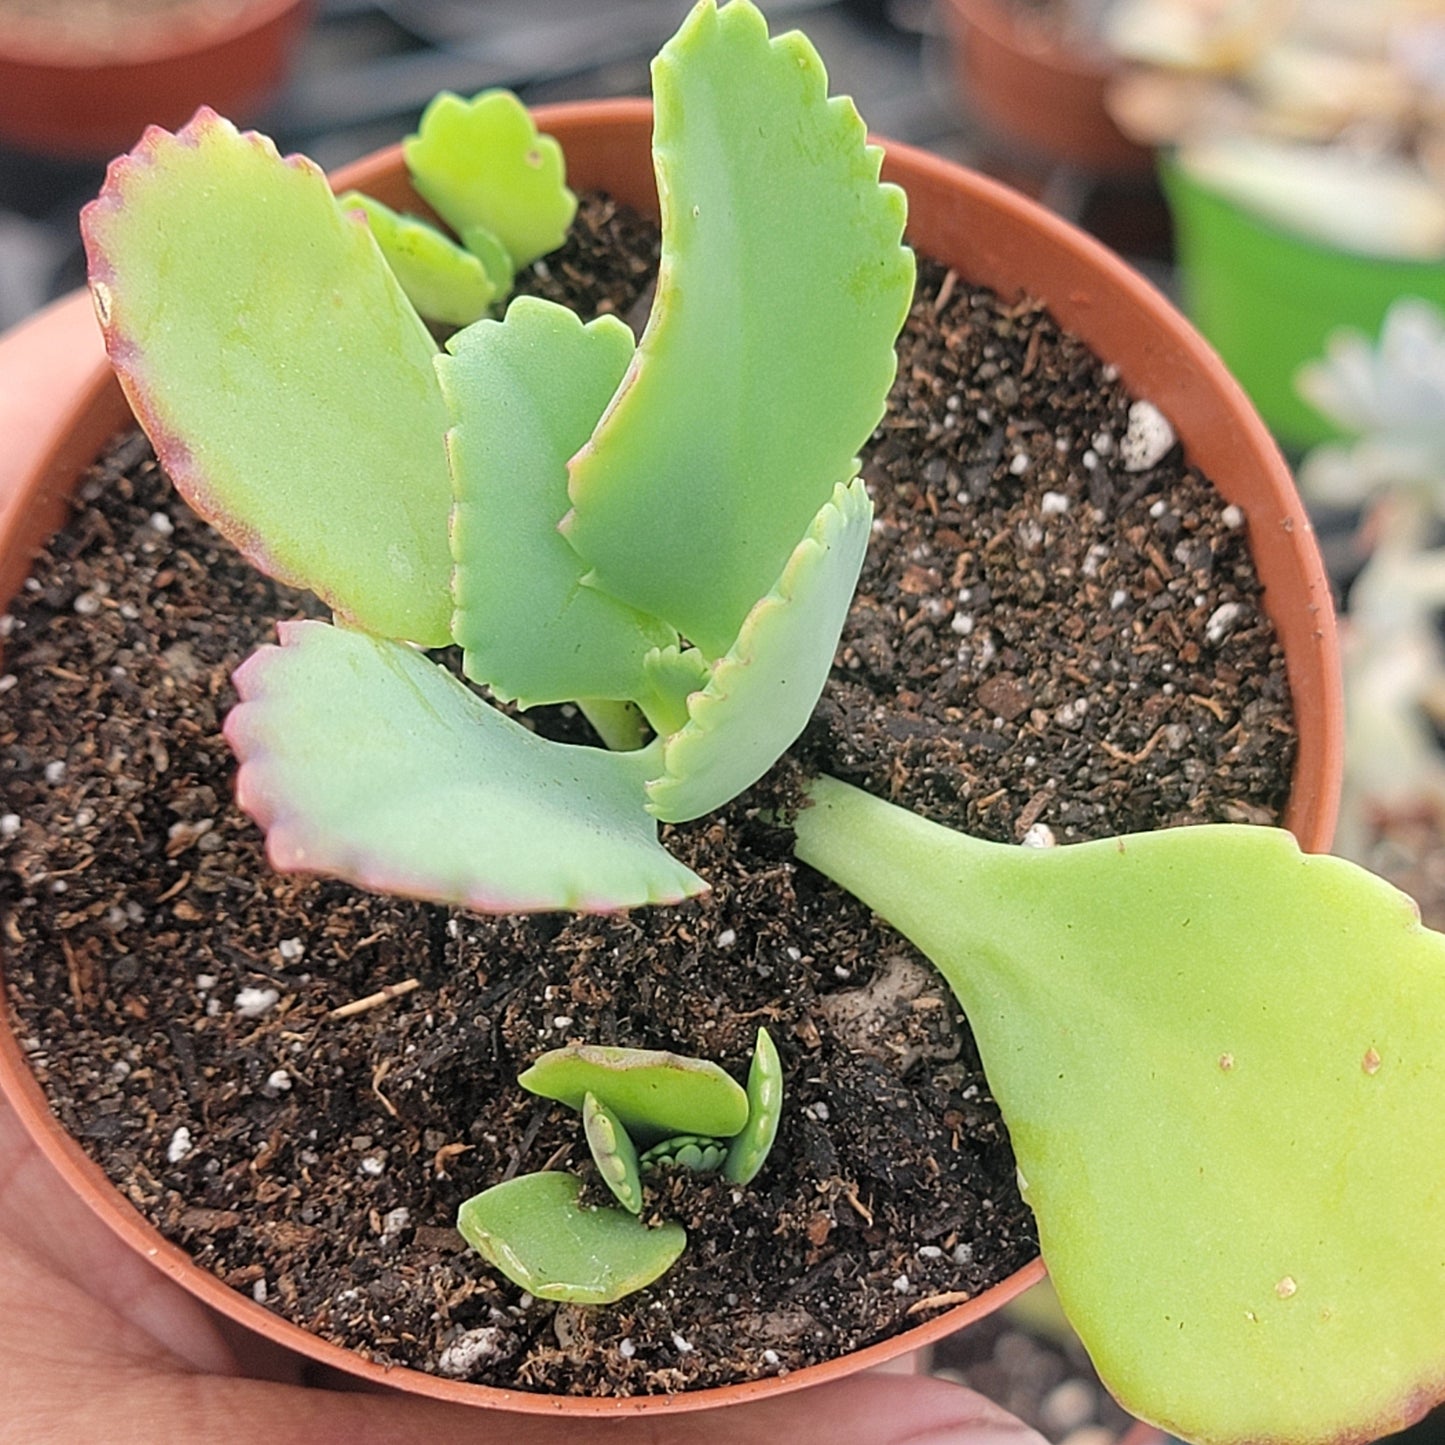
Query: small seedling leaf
{"x":363,"y":760}
{"x":698,"y":1153}
{"x":613,"y":1152}
{"x":761,"y":695}
{"x":444,"y":282}
{"x":535,"y":1232}
{"x":481,"y":163}
{"x":525,"y":393}
{"x":653,"y":1093}
{"x":749,"y":1151}
{"x":769,"y":353}
{"x":1219,"y":1060}
{"x":278,"y":367}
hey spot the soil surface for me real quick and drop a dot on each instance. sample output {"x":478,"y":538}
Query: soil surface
{"x":1042,"y":640}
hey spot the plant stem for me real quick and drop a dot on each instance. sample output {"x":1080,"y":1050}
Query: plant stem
{"x":618,"y":724}
{"x":914,"y":874}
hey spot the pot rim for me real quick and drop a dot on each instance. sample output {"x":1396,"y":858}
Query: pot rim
{"x":94,"y":405}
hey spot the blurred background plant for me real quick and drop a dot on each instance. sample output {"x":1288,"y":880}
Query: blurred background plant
{"x":1387,"y":393}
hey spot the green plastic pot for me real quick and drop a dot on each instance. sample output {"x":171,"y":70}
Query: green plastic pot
{"x":1269,"y":298}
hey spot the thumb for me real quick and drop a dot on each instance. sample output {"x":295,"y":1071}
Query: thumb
{"x":867,"y":1409}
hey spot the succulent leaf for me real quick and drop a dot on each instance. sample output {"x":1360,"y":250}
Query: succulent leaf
{"x":363,"y":760}
{"x":279,"y":369}
{"x":524,"y":394}
{"x":769,"y":353}
{"x":444,"y":282}
{"x":533,"y":1229}
{"x":653,"y":1093}
{"x":698,"y":1153}
{"x":672,"y":675}
{"x":749,"y":1151}
{"x":1271,"y":1025}
{"x":494,"y":257}
{"x":613,"y":1152}
{"x":481,"y":162}
{"x":760,"y":696}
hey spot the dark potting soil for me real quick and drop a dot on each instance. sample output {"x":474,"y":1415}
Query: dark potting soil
{"x":1041,"y":639}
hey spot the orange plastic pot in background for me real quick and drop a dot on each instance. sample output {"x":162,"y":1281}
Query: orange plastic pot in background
{"x":990,"y":235}
{"x":1037,"y":92}
{"x":61,"y":98}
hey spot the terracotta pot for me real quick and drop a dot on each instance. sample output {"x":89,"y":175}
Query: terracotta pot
{"x":992,"y":236}
{"x":1037,"y":92}
{"x":61,"y":99}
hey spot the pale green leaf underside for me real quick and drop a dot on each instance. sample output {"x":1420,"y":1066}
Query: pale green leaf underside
{"x":363,"y":760}
{"x":443,"y":281}
{"x":481,"y":162}
{"x":524,"y":394}
{"x":769,"y":353}
{"x":279,"y":369}
{"x":653,"y":1093}
{"x":1222,"y":1066}
{"x":762,"y":693}
{"x":533,"y":1230}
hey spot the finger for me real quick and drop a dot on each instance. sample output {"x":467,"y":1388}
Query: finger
{"x":190,"y":1408}
{"x":58,"y":1253}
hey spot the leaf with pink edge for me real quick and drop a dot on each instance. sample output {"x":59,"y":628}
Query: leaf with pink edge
{"x":768,"y":356}
{"x":1221,"y":1062}
{"x":364,"y":760}
{"x":279,"y":369}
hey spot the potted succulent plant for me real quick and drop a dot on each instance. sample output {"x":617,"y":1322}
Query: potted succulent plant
{"x":84,"y":78}
{"x":1267,"y":1019}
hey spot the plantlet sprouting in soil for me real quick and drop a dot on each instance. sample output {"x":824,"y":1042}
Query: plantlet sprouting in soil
{"x":685,"y":1113}
{"x":1219,"y":1059}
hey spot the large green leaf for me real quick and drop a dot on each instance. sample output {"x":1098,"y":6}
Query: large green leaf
{"x":761,"y":695}
{"x":282,"y":374}
{"x":1222,"y":1066}
{"x":769,"y":353}
{"x":363,"y":760}
{"x":481,"y":164}
{"x":524,"y":395}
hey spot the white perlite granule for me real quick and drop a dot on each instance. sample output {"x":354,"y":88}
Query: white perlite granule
{"x":1148,"y":439}
{"x":468,"y":1351}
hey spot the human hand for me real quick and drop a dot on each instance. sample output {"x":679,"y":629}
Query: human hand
{"x":95,"y":1344}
